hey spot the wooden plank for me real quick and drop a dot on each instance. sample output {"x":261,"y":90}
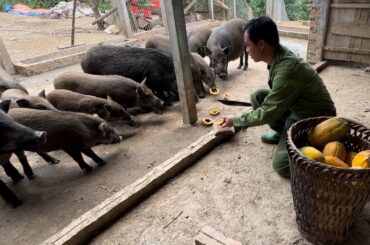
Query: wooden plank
{"x":5,"y":60}
{"x":350,"y":1}
{"x":104,"y":15}
{"x":233,"y":8}
{"x":187,"y":8}
{"x":350,"y":6}
{"x":123,"y":16}
{"x":210,"y":10}
{"x":360,"y":58}
{"x":82,"y":229}
{"x":347,"y":50}
{"x":351,"y":30}
{"x":60,"y":58}
{"x":181,"y":59}
{"x":320,"y":66}
{"x":164,"y":15}
{"x":318,"y":29}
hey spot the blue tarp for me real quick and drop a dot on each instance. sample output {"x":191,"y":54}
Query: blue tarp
{"x":9,"y":8}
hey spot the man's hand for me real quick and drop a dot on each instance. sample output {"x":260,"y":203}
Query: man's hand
{"x":228,"y":121}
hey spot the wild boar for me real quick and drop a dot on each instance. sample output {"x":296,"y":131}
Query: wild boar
{"x":208,"y":74}
{"x":21,"y":99}
{"x":137,"y":64}
{"x":122,"y":90}
{"x":107,"y":109}
{"x":14,"y":137}
{"x":8,"y":84}
{"x":197,"y":39}
{"x":226,"y":43}
{"x":163,"y":43}
{"x":72,"y":132}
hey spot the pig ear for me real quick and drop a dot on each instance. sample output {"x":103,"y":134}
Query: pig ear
{"x":143,"y":82}
{"x":23,"y":103}
{"x":206,"y":51}
{"x":109,"y":98}
{"x":4,"y":105}
{"x":102,"y":127}
{"x":225,"y":50}
{"x":42,"y":94}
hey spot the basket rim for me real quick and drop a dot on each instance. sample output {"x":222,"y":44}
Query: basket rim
{"x":317,"y":163}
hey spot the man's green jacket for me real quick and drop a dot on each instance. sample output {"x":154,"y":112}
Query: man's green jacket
{"x":295,"y":86}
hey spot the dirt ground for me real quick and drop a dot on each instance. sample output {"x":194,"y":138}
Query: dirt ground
{"x":233,"y":189}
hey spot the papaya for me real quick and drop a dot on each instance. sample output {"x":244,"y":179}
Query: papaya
{"x":207,"y":121}
{"x":336,"y":162}
{"x":312,"y":153}
{"x":361,"y":160}
{"x":349,"y":157}
{"x":332,"y":129}
{"x":335,"y":149}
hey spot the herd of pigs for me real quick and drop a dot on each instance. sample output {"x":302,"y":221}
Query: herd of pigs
{"x":74,"y":116}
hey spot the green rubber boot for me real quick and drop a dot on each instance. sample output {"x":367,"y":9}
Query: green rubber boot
{"x":270,"y":137}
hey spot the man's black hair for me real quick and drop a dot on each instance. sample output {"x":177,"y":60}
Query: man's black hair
{"x":263,"y":28}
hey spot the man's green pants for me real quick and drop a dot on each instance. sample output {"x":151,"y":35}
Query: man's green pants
{"x":280,"y":161}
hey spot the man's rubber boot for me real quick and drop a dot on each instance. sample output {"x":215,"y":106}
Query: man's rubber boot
{"x":270,"y":137}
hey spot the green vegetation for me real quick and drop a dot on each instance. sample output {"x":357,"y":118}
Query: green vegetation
{"x":103,"y":4}
{"x":298,"y":9}
{"x":258,"y":7}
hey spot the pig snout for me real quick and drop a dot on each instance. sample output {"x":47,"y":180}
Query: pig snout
{"x":117,"y":139}
{"x":132,"y":122}
{"x":40,"y":137}
{"x":159,"y":109}
{"x":222,"y":75}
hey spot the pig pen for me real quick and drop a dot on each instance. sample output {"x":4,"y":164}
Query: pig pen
{"x":233,"y":189}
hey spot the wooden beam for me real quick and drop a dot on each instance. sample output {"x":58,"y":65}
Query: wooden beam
{"x":5,"y":60}
{"x":210,"y":10}
{"x":233,"y":8}
{"x":352,"y":30}
{"x":318,"y":28}
{"x":123,"y":16}
{"x":350,"y":6}
{"x":347,"y":50}
{"x":320,"y":66}
{"x":164,"y":15}
{"x":82,"y":229}
{"x":104,"y":16}
{"x":181,"y":59}
{"x":189,"y":6}
{"x":221,"y":5}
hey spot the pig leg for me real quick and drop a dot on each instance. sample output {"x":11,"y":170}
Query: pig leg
{"x":9,"y":197}
{"x":245,"y":60}
{"x":25,"y":164}
{"x":49,"y":159}
{"x":89,"y":152}
{"x":12,"y":172}
{"x":240,"y":61}
{"x":76,"y":155}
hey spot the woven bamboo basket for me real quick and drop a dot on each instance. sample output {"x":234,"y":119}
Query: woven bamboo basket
{"x":327,"y":200}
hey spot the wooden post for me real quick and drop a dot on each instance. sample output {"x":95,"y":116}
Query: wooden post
{"x":223,"y":11}
{"x":318,"y":26}
{"x":73,"y":22}
{"x":5,"y":60}
{"x":164,"y":15}
{"x":233,"y":8}
{"x":181,"y":59}
{"x":123,"y":16}
{"x":210,"y":10}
